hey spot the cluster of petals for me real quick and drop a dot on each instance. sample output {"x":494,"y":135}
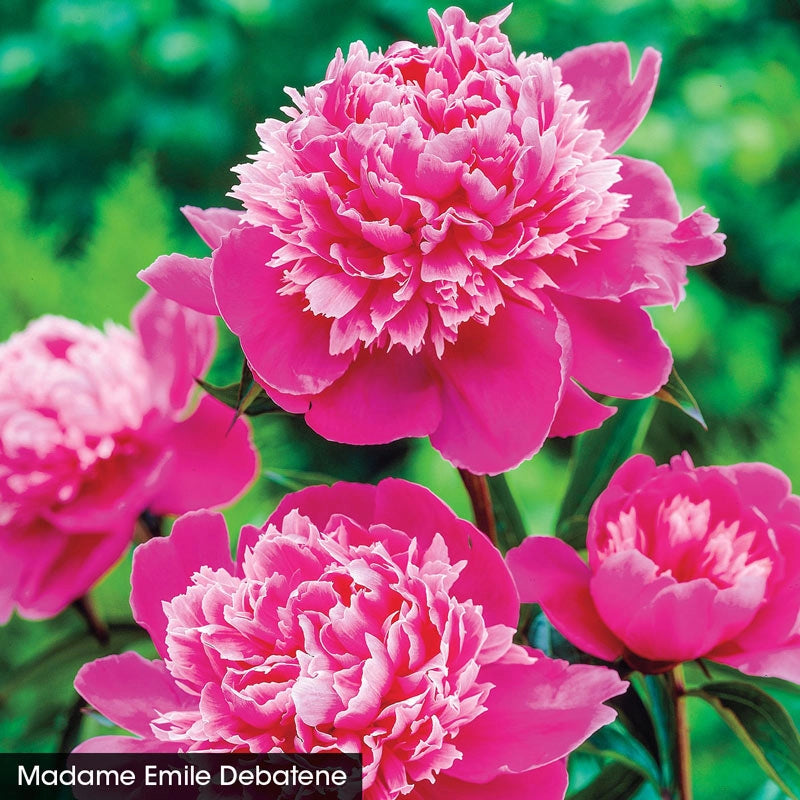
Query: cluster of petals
{"x":439,"y":242}
{"x":357,"y":619}
{"x":95,"y":429}
{"x":684,"y":563}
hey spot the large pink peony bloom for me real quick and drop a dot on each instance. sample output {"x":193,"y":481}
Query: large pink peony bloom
{"x":684,"y":563}
{"x":358,"y":618}
{"x":94,"y":430}
{"x":439,"y":243}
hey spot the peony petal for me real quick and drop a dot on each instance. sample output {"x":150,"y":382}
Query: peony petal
{"x":544,"y":783}
{"x":382,"y":397}
{"x":130,"y":690}
{"x":501,"y":386}
{"x":213,"y":462}
{"x":601,"y":74}
{"x":765,"y":487}
{"x":212,"y":224}
{"x":778,"y":621}
{"x":578,"y":412}
{"x":544,"y":708}
{"x":65,"y":567}
{"x":179,"y":345}
{"x":649,"y":611}
{"x":163,"y":568}
{"x":781,"y":663}
{"x":185,"y":280}
{"x":293,"y":403}
{"x":616,"y":349}
{"x":485,"y":578}
{"x":286,"y":346}
{"x":549,"y":572}
{"x":652,"y":195}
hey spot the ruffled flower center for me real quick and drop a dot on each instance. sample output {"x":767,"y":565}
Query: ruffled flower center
{"x":692,"y":538}
{"x":346,"y":640}
{"x":70,"y":396}
{"x":418,"y":189}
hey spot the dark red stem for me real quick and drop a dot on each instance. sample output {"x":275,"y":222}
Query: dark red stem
{"x":478,"y":490}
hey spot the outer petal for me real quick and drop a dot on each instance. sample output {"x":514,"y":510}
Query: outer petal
{"x":178,"y":343}
{"x":163,"y":568}
{"x":501,"y":385}
{"x":616,"y":349}
{"x":66,"y":567}
{"x":212,"y":462}
{"x":601,"y":74}
{"x":485,"y":579}
{"x":293,"y":403}
{"x":185,"y":280}
{"x":778,"y":621}
{"x":577,"y":412}
{"x":549,"y":572}
{"x":319,"y":503}
{"x":765,"y":487}
{"x":417,"y":511}
{"x":130,"y":690}
{"x":780,"y":663}
{"x":382,"y":397}
{"x":212,"y":224}
{"x":661,"y":619}
{"x":652,"y":257}
{"x":286,"y":346}
{"x":544,"y":783}
{"x":544,"y":708}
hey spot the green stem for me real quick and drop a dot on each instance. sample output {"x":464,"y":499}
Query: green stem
{"x":684,"y":752}
{"x":477,"y":488}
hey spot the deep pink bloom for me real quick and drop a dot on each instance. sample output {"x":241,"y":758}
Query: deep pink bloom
{"x":684,"y":563}
{"x":439,"y":243}
{"x":95,"y":428}
{"x":358,"y":618}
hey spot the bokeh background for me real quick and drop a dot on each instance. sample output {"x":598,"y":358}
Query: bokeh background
{"x":113,"y":113}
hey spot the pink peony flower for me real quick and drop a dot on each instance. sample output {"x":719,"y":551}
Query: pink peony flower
{"x":94,"y":430}
{"x":684,"y":563}
{"x":358,"y":618}
{"x":439,"y":243}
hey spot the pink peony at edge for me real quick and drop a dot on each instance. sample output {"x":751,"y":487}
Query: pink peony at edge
{"x":358,"y":618}
{"x":684,"y":562}
{"x":439,"y":242}
{"x":96,"y":428}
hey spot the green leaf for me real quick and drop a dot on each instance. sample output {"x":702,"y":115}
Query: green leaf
{"x":615,"y":743}
{"x":66,"y":656}
{"x":254,"y":403}
{"x":657,"y":695}
{"x":769,"y":791}
{"x":33,"y":278}
{"x":596,"y":456}
{"x":616,"y":782}
{"x":676,"y":393}
{"x":294,"y":480}
{"x":763,"y":726}
{"x":543,"y":636}
{"x":132,"y":228}
{"x":510,"y":527}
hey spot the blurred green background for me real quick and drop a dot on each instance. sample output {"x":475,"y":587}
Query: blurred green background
{"x":115,"y":112}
